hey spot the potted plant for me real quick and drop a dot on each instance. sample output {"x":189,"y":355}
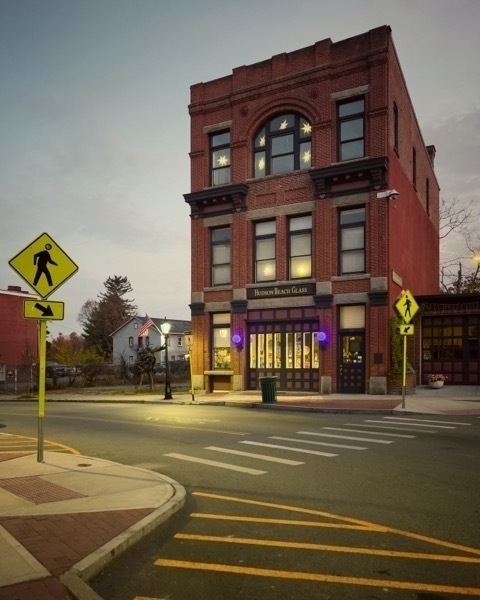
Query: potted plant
{"x":436,"y":380}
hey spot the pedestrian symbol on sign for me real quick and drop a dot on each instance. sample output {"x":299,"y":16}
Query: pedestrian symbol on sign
{"x":43,"y":265}
{"x":406,"y":306}
{"x":42,"y":259}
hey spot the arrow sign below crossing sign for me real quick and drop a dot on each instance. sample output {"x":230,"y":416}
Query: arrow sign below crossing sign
{"x":43,"y":265}
{"x":43,"y":309}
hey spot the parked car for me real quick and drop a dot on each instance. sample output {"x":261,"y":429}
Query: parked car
{"x":55,"y":369}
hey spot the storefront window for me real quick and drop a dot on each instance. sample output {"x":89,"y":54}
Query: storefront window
{"x":221,"y":341}
{"x":294,"y":350}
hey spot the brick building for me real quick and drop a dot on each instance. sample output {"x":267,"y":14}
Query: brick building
{"x":18,"y":336}
{"x":299,"y":247}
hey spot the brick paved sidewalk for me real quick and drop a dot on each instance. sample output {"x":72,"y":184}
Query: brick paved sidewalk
{"x":60,"y":541}
{"x":57,"y":529}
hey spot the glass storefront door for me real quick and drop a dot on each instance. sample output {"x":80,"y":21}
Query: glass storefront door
{"x":351,"y":363}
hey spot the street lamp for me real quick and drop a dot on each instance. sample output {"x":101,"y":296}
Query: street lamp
{"x":476,"y":258}
{"x":165,"y":329}
{"x":189,"y":343}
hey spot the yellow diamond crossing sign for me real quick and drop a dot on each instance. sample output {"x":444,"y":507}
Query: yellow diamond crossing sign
{"x":43,"y":265}
{"x":43,"y":309}
{"x":406,"y":306}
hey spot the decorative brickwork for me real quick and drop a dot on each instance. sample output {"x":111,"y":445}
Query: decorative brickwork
{"x":400,"y":236}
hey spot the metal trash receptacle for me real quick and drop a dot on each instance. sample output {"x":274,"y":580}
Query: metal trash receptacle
{"x":269,"y":389}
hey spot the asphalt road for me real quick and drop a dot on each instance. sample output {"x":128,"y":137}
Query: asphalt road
{"x":289,"y":505}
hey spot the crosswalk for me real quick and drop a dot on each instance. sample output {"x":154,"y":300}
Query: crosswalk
{"x":326,"y":443}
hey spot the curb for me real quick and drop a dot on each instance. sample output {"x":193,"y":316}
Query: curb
{"x":76,"y":578}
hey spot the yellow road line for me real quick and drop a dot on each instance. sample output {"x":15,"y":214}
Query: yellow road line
{"x":282,"y":522}
{"x":306,"y":511}
{"x":19,"y":439}
{"x":319,"y":577}
{"x":366,"y":524}
{"x":328,"y":548}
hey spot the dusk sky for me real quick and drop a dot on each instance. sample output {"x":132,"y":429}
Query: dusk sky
{"x":94,"y":124}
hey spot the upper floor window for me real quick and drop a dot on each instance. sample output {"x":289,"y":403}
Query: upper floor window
{"x":220,"y":256}
{"x":351,"y":129}
{"x":220,"y":157}
{"x":427,"y":195}
{"x":395,"y":127}
{"x":352,"y":241}
{"x":414,"y":167}
{"x":130,"y":342}
{"x":179,"y":341}
{"x":283,"y":144}
{"x":265,"y":268}
{"x":300,"y":247}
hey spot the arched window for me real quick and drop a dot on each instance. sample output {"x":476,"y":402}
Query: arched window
{"x":283,"y":144}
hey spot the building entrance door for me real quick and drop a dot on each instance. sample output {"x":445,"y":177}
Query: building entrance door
{"x":351,"y":363}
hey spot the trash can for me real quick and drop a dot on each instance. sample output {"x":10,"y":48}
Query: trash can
{"x":269,"y":389}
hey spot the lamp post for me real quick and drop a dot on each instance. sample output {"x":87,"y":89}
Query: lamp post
{"x":189,"y":343}
{"x":165,"y":329}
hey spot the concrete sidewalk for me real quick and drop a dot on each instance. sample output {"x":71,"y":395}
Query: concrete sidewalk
{"x":448,"y":400}
{"x":63,"y":520}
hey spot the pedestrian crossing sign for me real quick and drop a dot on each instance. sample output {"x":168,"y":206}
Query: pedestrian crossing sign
{"x":43,"y":265}
{"x":406,"y":306}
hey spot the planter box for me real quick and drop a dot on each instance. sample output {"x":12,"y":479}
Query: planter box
{"x":435,"y":384}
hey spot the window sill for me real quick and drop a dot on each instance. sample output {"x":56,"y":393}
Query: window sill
{"x":218,"y":288}
{"x":355,"y":277}
{"x":269,"y":284}
{"x":218,"y":372}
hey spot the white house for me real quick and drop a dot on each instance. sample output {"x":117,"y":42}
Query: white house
{"x":127,"y":340}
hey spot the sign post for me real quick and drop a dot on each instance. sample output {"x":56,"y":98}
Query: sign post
{"x":44,"y":266}
{"x":42,"y":351}
{"x":407,"y":307}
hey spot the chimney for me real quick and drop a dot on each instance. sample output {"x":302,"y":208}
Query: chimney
{"x":14,"y":288}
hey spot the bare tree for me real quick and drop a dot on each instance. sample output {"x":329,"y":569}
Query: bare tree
{"x":458,"y":218}
{"x":455,"y":217}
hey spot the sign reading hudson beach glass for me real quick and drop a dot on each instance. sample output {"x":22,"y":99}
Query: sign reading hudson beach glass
{"x":278,"y":291}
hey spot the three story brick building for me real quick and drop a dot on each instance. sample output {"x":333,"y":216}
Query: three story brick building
{"x":313,"y":203}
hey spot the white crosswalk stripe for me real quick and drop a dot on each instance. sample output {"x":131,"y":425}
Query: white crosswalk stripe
{"x":345,"y":437}
{"x":399,"y":435}
{"x":290,"y":449}
{"x":413,"y":424}
{"x":214,"y":463}
{"x":285,"y":461}
{"x":286,"y":439}
{"x":390,"y":428}
{"x":428,"y":421}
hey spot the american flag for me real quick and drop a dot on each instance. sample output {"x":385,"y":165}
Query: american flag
{"x":146,"y":326}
